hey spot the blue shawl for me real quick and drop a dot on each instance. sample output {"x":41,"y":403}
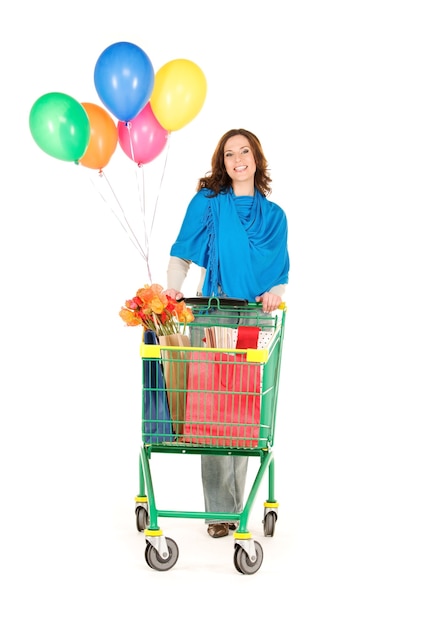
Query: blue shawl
{"x":241,"y":241}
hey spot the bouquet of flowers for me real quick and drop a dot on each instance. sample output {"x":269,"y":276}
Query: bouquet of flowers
{"x":154,"y":310}
{"x":157,"y":312}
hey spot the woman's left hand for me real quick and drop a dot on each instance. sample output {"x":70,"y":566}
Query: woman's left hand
{"x":270,"y":301}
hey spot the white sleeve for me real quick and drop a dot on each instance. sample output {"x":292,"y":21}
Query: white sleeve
{"x":279,"y":290}
{"x":177,"y":272}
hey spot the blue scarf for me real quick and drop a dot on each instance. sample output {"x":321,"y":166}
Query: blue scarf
{"x":241,"y":241}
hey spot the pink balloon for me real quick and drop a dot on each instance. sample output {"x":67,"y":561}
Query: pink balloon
{"x":143,"y":138}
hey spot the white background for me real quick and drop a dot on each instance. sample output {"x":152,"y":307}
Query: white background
{"x":335,"y":92}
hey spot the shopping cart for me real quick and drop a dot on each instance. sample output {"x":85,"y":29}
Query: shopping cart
{"x":201,"y":399}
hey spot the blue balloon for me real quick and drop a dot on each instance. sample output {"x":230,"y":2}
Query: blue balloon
{"x":124,"y":79}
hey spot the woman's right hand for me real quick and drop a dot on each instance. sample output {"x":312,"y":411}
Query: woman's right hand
{"x":173,"y":293}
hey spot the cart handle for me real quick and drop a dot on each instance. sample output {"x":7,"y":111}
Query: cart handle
{"x":215,"y":301}
{"x":228,"y":302}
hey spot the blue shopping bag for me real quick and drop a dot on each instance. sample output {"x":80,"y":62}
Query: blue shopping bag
{"x":156,"y":418}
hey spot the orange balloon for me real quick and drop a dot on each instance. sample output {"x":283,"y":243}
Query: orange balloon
{"x":103,"y":137}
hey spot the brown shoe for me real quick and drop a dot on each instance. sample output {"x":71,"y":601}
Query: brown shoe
{"x":233,"y":525}
{"x":218,"y":530}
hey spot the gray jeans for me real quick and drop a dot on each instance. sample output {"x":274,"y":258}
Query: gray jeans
{"x":223,"y":481}
{"x":223,"y":477}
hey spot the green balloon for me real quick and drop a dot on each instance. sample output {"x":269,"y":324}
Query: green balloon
{"x":60,"y":126}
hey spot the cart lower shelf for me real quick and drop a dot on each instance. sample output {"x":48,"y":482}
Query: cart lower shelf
{"x":162,"y":552}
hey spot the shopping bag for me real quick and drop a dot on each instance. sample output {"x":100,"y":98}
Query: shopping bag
{"x":253,"y":337}
{"x":241,"y":337}
{"x":156,"y":420}
{"x":223,"y":400}
{"x":175,"y":365}
{"x":247,"y":337}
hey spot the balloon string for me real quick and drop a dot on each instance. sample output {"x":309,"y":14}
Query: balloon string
{"x":128,"y":126}
{"x":141,"y":197}
{"x":160,"y":183}
{"x":130,"y":230}
{"x":126,"y":226}
{"x":142,"y":201}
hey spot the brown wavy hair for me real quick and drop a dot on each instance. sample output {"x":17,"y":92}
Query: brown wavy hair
{"x":217,"y":179}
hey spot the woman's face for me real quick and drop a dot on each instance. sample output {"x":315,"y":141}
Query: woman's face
{"x":239,"y":159}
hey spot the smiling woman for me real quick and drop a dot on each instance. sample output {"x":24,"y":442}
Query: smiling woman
{"x":239,"y":239}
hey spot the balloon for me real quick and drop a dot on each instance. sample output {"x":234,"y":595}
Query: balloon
{"x":178,"y":94}
{"x":103,"y":137}
{"x":143,"y":138}
{"x":124,"y":77}
{"x":60,"y":126}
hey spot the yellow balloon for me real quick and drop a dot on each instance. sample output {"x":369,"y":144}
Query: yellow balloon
{"x":178,"y":94}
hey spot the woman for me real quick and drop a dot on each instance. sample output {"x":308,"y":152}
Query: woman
{"x":239,"y":240}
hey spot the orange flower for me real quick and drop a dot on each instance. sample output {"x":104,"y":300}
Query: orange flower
{"x":184,"y":315}
{"x":155,"y":311}
{"x":129,"y":317}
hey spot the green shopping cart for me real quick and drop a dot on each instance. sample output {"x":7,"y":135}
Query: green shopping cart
{"x":211,"y":390}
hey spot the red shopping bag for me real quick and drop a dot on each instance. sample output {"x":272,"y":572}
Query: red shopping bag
{"x":223,"y":400}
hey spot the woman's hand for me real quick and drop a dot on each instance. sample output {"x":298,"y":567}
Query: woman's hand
{"x":270,"y":301}
{"x":173,"y":293}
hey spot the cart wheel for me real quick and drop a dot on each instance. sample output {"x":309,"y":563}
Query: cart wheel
{"x":154,"y":560}
{"x":242,"y":562}
{"x":142,"y":518}
{"x":269,"y":524}
{"x":235,"y":558}
{"x":147,"y":550}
